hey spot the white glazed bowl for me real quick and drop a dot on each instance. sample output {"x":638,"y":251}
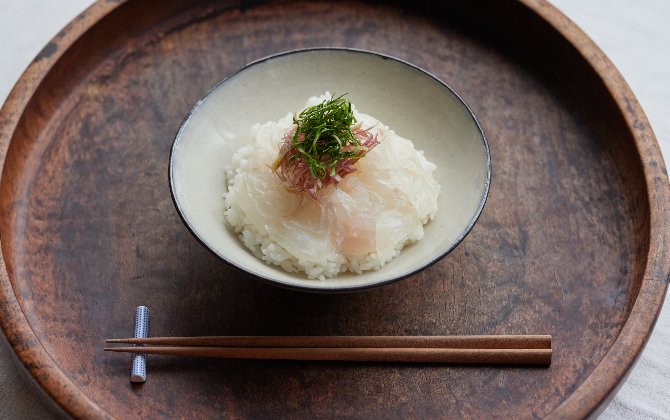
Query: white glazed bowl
{"x":413,"y":103}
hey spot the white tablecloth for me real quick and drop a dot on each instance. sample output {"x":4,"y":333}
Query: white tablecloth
{"x":635,"y":34}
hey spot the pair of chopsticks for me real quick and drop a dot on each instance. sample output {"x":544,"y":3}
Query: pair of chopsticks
{"x":476,"y":349}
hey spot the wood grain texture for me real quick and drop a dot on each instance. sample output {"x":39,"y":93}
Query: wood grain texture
{"x":573,"y":241}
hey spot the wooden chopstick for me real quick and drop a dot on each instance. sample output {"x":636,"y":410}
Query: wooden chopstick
{"x":507,"y":350}
{"x":453,"y":341}
{"x":536,"y":357}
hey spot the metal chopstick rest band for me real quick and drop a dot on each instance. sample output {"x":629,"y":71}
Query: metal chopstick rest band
{"x":139,"y":370}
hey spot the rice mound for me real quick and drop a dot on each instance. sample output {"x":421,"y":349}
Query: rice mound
{"x":359,"y":224}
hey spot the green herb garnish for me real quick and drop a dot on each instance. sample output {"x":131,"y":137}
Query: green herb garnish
{"x":324,"y":147}
{"x":323,"y":136}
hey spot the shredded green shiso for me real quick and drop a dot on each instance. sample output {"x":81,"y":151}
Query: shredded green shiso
{"x":323,"y":147}
{"x":323,"y":136}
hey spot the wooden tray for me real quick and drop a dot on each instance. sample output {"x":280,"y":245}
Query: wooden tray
{"x":573,"y":241}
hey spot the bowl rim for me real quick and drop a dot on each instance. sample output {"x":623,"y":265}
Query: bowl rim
{"x":319,"y":286}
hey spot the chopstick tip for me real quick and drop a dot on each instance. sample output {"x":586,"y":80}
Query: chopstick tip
{"x":116,"y":340}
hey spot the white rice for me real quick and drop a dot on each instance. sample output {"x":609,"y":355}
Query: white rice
{"x":271,"y":235}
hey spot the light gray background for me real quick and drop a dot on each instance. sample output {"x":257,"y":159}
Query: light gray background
{"x":634,"y":34}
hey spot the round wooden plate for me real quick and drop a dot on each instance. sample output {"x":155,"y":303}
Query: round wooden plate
{"x":573,"y":241}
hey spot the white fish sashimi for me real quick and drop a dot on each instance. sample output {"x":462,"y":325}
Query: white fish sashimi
{"x":397,"y":165}
{"x":358,"y":224}
{"x":306,"y":232}
{"x":354,"y":231}
{"x":396,"y":220}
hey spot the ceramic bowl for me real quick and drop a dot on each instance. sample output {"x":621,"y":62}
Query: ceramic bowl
{"x":415,"y":104}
